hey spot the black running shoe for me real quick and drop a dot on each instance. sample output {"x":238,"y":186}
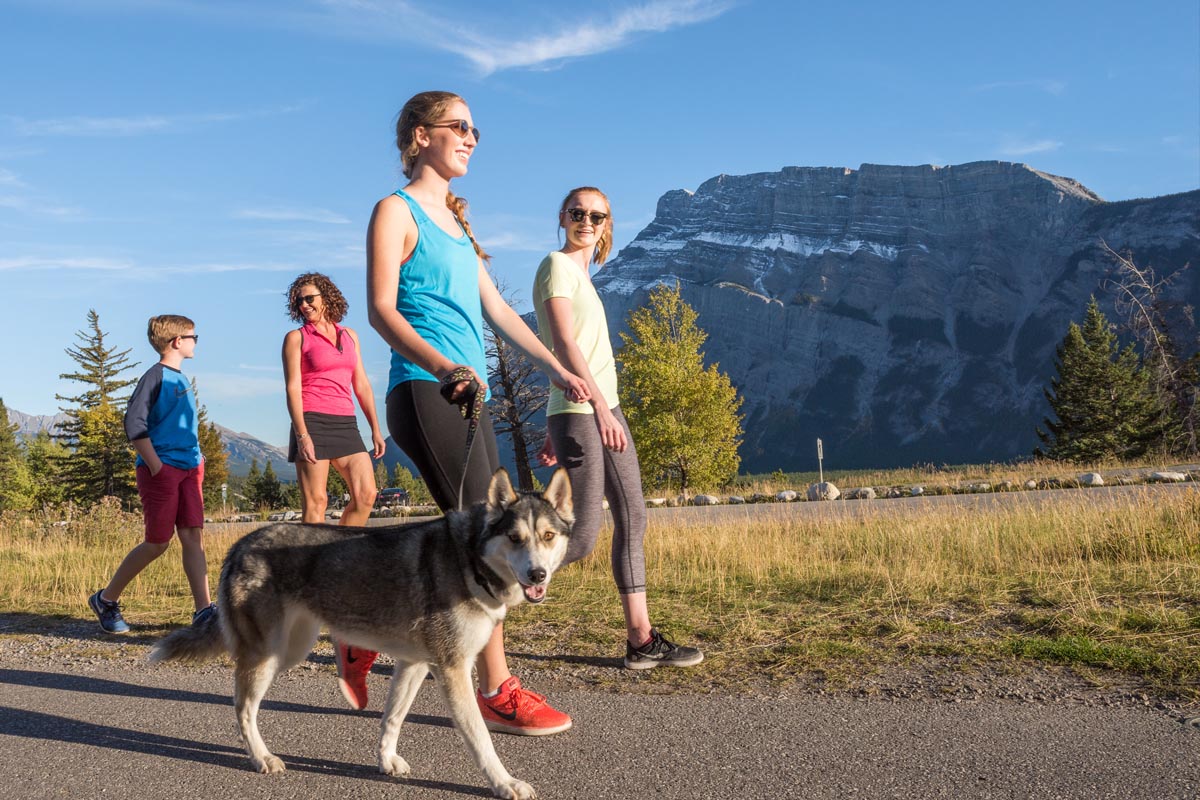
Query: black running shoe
{"x":660,"y":652}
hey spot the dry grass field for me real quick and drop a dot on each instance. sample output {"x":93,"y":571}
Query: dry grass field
{"x":1100,"y":589}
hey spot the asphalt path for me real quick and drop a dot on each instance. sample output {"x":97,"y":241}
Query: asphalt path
{"x":83,"y":727}
{"x":1106,"y":496}
{"x":1103,"y":496}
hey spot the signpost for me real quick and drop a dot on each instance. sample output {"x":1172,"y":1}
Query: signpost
{"x":820,"y":456}
{"x":224,"y":489}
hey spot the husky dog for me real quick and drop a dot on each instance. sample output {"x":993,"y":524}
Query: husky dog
{"x":428,"y":594}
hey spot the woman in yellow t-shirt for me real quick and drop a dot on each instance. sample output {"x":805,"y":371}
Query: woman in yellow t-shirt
{"x":591,"y":440}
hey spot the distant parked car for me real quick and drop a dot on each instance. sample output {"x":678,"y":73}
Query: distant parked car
{"x":276,"y":517}
{"x":291,"y":515}
{"x":390,"y":498}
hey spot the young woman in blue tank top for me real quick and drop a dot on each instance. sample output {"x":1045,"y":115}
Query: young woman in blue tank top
{"x":428,"y":294}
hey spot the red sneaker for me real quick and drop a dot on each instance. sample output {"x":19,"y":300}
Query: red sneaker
{"x":521,"y":712}
{"x":353,"y":664}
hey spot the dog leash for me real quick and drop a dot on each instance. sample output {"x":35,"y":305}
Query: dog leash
{"x":470,"y":405}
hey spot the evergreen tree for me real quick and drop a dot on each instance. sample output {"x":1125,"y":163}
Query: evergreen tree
{"x":251,"y":485}
{"x":216,"y":459}
{"x":102,"y":463}
{"x":381,"y":475}
{"x":269,"y":490}
{"x":1101,"y":399}
{"x":102,"y":459}
{"x":683,"y":416}
{"x":418,"y":492}
{"x":1156,"y":321}
{"x":44,"y":458}
{"x":16,"y":484}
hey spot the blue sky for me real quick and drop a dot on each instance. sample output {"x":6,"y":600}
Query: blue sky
{"x":192,"y":156}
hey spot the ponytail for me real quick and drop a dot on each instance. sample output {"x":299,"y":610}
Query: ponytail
{"x":459,"y":206}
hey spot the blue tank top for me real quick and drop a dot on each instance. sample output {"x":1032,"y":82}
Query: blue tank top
{"x":438,"y":293}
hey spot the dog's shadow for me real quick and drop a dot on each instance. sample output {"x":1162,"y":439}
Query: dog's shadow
{"x":94,"y":685}
{"x":22,"y":723}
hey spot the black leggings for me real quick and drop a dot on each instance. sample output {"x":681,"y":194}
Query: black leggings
{"x":433,"y":434}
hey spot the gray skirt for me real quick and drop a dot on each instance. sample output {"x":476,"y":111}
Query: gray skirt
{"x":333,"y":436}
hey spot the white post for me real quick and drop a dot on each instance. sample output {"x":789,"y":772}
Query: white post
{"x":820,"y":457}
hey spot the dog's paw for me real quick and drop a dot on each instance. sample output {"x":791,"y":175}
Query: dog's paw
{"x":516,"y":790}
{"x":394,"y":765}
{"x":269,"y":765}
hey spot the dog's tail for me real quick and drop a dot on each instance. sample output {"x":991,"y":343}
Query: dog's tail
{"x":200,"y":642}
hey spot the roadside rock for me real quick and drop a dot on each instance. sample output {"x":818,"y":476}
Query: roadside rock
{"x":824,"y":491}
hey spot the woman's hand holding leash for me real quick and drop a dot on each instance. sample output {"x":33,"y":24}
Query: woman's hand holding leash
{"x":573,"y":386}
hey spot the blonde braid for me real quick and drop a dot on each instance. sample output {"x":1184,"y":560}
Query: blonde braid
{"x":459,"y":206}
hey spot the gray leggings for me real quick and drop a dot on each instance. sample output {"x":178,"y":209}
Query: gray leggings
{"x":596,"y":473}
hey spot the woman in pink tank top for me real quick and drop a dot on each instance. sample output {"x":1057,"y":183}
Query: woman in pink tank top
{"x":323,"y":367}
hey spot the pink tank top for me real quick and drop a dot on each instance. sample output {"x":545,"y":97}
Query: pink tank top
{"x":327,"y":371}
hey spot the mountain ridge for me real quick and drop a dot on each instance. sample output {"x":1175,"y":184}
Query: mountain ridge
{"x":903,"y":313}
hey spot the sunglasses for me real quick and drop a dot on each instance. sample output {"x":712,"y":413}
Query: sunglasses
{"x":195,"y":337}
{"x":308,"y":298}
{"x":578,"y":215}
{"x":459,"y":126}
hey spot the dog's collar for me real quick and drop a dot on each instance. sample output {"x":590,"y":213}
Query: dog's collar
{"x":485,"y":576}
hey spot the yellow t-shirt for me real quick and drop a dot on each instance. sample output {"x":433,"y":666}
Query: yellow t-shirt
{"x":559,"y":276}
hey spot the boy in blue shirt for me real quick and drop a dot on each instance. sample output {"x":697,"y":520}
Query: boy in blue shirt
{"x":161,"y":424}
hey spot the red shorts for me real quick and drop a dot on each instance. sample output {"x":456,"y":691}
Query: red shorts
{"x":173,"y":497}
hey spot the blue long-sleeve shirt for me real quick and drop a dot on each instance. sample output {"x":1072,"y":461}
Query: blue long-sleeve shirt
{"x":163,"y":410}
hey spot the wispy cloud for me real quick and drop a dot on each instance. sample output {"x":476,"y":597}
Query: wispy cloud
{"x":25,"y":204}
{"x":1030,"y":148}
{"x":52,"y":263}
{"x":518,"y":241}
{"x":9,"y":178}
{"x":490,"y":52}
{"x":238,"y":386}
{"x":1049,"y":86}
{"x":293,"y":215}
{"x":489,"y":44}
{"x":129,"y":126}
{"x":47,"y":264}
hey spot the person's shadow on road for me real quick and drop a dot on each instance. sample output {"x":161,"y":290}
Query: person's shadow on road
{"x":22,"y":723}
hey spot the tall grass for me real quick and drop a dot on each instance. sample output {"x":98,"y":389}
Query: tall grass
{"x":1115,"y":587}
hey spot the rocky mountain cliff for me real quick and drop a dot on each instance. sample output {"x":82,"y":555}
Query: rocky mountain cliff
{"x":902,"y":314}
{"x":242,"y":448}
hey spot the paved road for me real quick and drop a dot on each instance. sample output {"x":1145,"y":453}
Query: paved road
{"x":1102,"y":495}
{"x":83,"y":727}
{"x":1105,"y":495}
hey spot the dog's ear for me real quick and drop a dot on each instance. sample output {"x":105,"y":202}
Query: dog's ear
{"x":558,"y":494}
{"x":500,"y":492}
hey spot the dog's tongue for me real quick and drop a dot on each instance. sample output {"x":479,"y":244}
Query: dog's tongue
{"x":535,"y":594}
